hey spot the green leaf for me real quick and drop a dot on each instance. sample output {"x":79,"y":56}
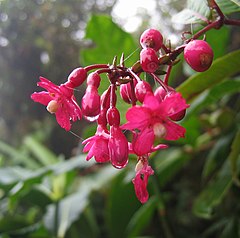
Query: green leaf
{"x":44,"y":155}
{"x":220,"y":43}
{"x":9,"y":176}
{"x":212,"y":95}
{"x":234,"y":156}
{"x":168,"y":163}
{"x":195,"y":12}
{"x":217,"y":155}
{"x":109,"y":40}
{"x":122,"y":205}
{"x":214,"y":193}
{"x":221,"y":68}
{"x":142,"y":218}
{"x":229,"y":7}
{"x":71,"y":207}
{"x":18,"y":156}
{"x":237,"y":2}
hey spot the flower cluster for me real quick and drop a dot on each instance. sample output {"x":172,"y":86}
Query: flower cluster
{"x":151,"y":118}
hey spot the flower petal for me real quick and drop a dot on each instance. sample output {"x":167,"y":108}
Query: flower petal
{"x":41,"y":97}
{"x":172,"y":104}
{"x":48,"y":85}
{"x":101,"y":152}
{"x":137,"y":117}
{"x":143,"y":142}
{"x":151,"y":102}
{"x":62,"y":118}
{"x":174,"y":131}
{"x":140,"y":183}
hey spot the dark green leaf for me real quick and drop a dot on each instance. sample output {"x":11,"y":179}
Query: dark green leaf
{"x":214,"y":94}
{"x":122,"y":204}
{"x":213,"y":193}
{"x":217,"y":155}
{"x":142,"y":218}
{"x":168,"y":163}
{"x":220,"y":43}
{"x":234,"y":156}
{"x":221,"y":68}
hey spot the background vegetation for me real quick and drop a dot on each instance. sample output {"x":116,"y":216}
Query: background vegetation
{"x":47,"y":189}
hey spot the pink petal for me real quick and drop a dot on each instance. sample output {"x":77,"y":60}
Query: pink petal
{"x":172,"y":104}
{"x":143,"y":142}
{"x":73,"y":110}
{"x":140,"y":183}
{"x":151,"y":102}
{"x":88,"y":143}
{"x":48,"y":85}
{"x":159,"y":147}
{"x":63,"y":119}
{"x":174,"y":131}
{"x":41,"y":97}
{"x":101,"y":152}
{"x":138,"y":117}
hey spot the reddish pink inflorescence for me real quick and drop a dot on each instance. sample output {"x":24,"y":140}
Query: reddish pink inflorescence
{"x":150,"y":118}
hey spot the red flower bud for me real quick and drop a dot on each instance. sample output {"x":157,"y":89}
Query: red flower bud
{"x":113,"y":116}
{"x":141,"y":89}
{"x":77,"y":77}
{"x":126,"y":91}
{"x":118,"y":148}
{"x":93,"y":79}
{"x":149,"y":60}
{"x":91,"y":102}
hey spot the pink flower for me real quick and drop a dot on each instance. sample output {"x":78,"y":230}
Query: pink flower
{"x":59,"y":100}
{"x":138,"y":146}
{"x":118,"y":148}
{"x":153,"y":120}
{"x":143,"y":171}
{"x":97,"y":146}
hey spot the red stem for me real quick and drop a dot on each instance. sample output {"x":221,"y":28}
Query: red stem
{"x":133,"y":95}
{"x":168,"y":74}
{"x":113,"y":95}
{"x":160,"y":82}
{"x":96,"y":66}
{"x":232,"y":22}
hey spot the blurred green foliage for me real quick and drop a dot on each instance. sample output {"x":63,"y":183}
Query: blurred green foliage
{"x":195,"y":189}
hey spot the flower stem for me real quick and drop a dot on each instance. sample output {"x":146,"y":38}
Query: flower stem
{"x":166,"y":78}
{"x":232,"y":22}
{"x":96,"y":66}
{"x":160,"y":82}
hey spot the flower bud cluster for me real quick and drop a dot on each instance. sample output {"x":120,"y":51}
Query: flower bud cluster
{"x":150,"y":118}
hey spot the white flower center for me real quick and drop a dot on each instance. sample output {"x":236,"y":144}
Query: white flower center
{"x":52,"y":106}
{"x":159,"y":130}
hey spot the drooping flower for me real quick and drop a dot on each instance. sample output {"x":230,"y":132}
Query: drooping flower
{"x":97,"y":146}
{"x":59,"y":100}
{"x":140,"y":182}
{"x":118,"y":147}
{"x":152,"y":120}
